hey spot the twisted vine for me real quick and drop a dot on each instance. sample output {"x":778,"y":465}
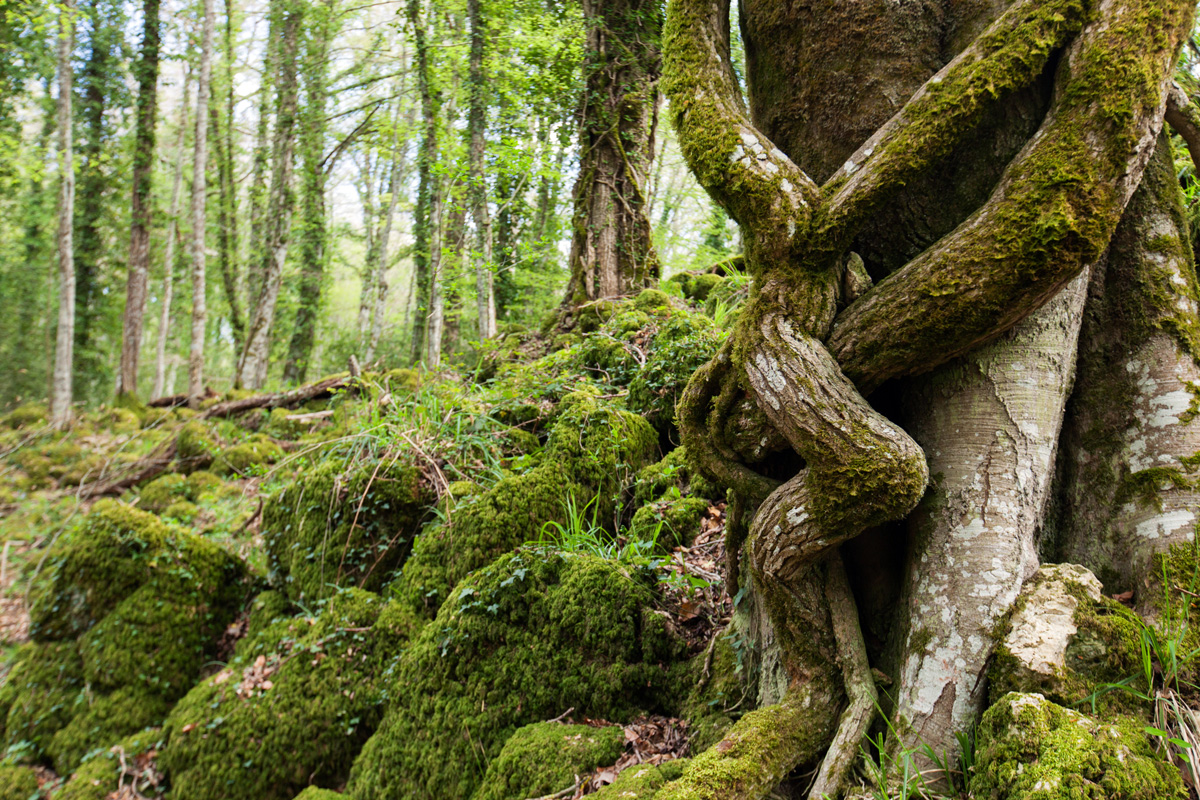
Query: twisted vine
{"x":805,"y":366}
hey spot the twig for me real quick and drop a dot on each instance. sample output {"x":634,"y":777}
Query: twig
{"x":570,"y":790}
{"x":563,"y":715}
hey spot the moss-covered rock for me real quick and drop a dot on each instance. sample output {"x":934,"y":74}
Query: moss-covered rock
{"x":673,"y":472}
{"x":344,"y":525}
{"x":522,"y":640}
{"x":640,"y":782}
{"x":201,"y":483}
{"x":314,"y":793}
{"x":1031,"y":749}
{"x":1067,"y":641}
{"x":26,"y":416}
{"x":102,"y":720}
{"x":247,"y":458}
{"x":593,"y":452}
{"x":683,"y":344}
{"x":267,"y":608}
{"x":17,"y":783}
{"x":162,"y":491}
{"x":697,"y":286}
{"x":197,"y":446}
{"x":545,"y":757}
{"x":292,"y":708}
{"x":670,"y":522}
{"x":98,"y":778}
{"x":184,"y":511}
{"x":707,"y":707}
{"x":40,"y":695}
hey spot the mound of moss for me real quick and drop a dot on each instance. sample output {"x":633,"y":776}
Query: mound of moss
{"x":683,"y":344}
{"x":545,"y":757}
{"x":293,"y":707}
{"x":26,"y":416}
{"x":126,"y":612}
{"x":523,"y":640}
{"x":344,"y":525}
{"x":196,"y":446}
{"x":642,"y":781}
{"x":247,"y":458}
{"x":163,"y":491}
{"x":98,"y":778}
{"x":593,"y":452}
{"x":17,"y":783}
{"x":1028,"y":747}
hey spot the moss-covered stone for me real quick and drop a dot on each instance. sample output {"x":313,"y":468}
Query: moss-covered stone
{"x":669,"y":523}
{"x":39,"y":696}
{"x":265,"y":609}
{"x":184,"y":511}
{"x":707,"y":707}
{"x":545,"y":757}
{"x":1031,"y":749}
{"x":202,"y":482}
{"x":17,"y":783}
{"x":641,"y":781}
{"x":593,"y":451}
{"x":26,"y":416}
{"x":102,"y":720}
{"x":313,"y":793}
{"x":98,"y":778}
{"x":344,"y":524}
{"x":697,"y":286}
{"x":292,"y":708}
{"x":246,"y":458}
{"x":673,"y":472}
{"x":162,"y":491}
{"x":683,"y":344}
{"x":197,"y":446}
{"x":522,"y":640}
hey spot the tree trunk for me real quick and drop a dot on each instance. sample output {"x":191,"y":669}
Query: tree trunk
{"x":313,"y":234}
{"x":259,"y":189}
{"x":143,"y":171}
{"x":481,"y":253}
{"x":60,"y":388}
{"x":168,"y":284}
{"x":227,"y":222}
{"x":611,"y":248}
{"x":199,"y":203}
{"x":808,"y":181}
{"x":428,"y":305}
{"x":255,"y":358}
{"x":378,"y":259}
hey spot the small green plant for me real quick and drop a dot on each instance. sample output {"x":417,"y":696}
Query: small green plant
{"x":896,"y":775}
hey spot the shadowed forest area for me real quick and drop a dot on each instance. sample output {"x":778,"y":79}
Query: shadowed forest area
{"x":506,"y":400}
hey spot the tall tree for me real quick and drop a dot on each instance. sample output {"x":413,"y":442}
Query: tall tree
{"x":255,"y":357}
{"x":985,"y":290}
{"x":428,"y":300}
{"x":199,"y":209}
{"x":481,"y":255}
{"x":146,"y":71}
{"x":611,"y":249}
{"x":60,"y":388}
{"x":171,"y":238}
{"x":313,"y":230}
{"x":224,"y":151}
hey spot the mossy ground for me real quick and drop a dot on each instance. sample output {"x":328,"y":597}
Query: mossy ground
{"x":546,"y":757}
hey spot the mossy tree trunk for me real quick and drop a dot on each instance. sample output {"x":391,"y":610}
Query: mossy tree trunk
{"x":611,"y":248}
{"x":978,"y":159}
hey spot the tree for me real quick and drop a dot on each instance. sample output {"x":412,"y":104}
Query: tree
{"x":427,"y":222}
{"x":199,"y":208}
{"x":611,"y":250}
{"x":143,"y":172}
{"x":983,"y":206}
{"x":60,"y":388}
{"x":172,"y":237}
{"x":481,"y":255}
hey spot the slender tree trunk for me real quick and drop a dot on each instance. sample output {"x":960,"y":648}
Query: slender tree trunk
{"x":172,"y":237}
{"x":143,"y":172}
{"x":259,"y":188}
{"x":60,"y":389}
{"x":428,"y":304}
{"x":199,"y":202}
{"x":368,"y":198}
{"x":382,"y":259}
{"x":227,"y":222}
{"x":481,"y":253}
{"x":313,"y":234}
{"x":611,"y":249}
{"x":252,"y":367}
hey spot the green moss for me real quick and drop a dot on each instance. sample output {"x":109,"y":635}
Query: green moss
{"x":267,"y":608}
{"x":651,"y":300}
{"x":246,"y":458}
{"x":544,"y":758}
{"x":671,"y":522}
{"x":162,"y":491}
{"x":201,"y":483}
{"x":697,"y":287}
{"x":641,"y":781}
{"x":40,"y":694}
{"x":197,"y":446}
{"x":18,"y":783}
{"x":183,"y":511}
{"x":99,"y":775}
{"x":344,"y":524}
{"x":593,"y":450}
{"x":280,"y":427}
{"x":707,"y":706}
{"x":673,"y":472}
{"x":27,"y":416}
{"x":683,"y":344}
{"x":313,"y":793}
{"x":1028,"y":747}
{"x":520,"y":641}
{"x":102,"y":721}
{"x":304,"y":725}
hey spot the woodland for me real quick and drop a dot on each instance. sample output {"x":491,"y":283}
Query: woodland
{"x":541,"y":399}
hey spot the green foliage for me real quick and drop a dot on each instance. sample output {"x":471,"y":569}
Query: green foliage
{"x":292,"y":708}
{"x":17,"y":783}
{"x":100,"y":774}
{"x":247,"y":458}
{"x":39,"y":695}
{"x":103,"y":720}
{"x":520,"y":641}
{"x":545,"y":757}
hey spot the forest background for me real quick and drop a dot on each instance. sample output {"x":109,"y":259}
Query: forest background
{"x":311,"y":147}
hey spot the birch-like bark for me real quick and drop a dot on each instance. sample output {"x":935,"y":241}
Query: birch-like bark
{"x":252,"y":367}
{"x":143,"y":173}
{"x":481,"y":253}
{"x":60,"y":389}
{"x":989,"y":424}
{"x":379,"y":283}
{"x":168,"y":284}
{"x":428,"y":302}
{"x":199,"y":208}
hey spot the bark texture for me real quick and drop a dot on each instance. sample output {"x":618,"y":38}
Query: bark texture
{"x":141,"y":208}
{"x":199,"y":211}
{"x":172,"y":237}
{"x":60,"y":387}
{"x":611,"y":250}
